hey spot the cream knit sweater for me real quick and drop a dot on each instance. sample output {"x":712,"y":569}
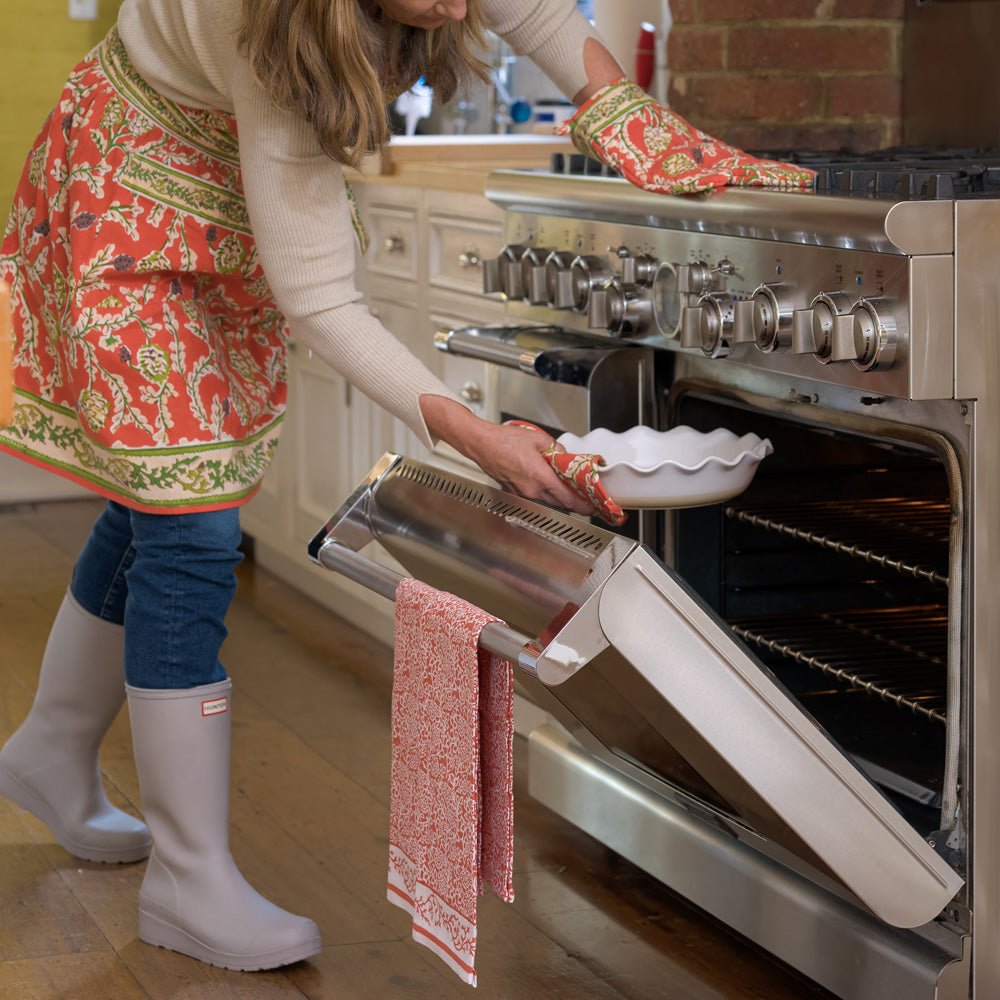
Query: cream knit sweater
{"x":295,"y":194}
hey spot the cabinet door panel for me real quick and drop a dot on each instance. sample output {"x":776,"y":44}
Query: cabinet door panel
{"x":323,"y":467}
{"x":473,"y":380}
{"x":402,"y":320}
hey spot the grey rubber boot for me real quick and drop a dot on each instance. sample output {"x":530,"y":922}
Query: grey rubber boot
{"x":194,"y":899}
{"x":50,"y":765}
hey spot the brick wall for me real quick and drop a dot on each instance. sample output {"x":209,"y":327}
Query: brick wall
{"x":792,"y":74}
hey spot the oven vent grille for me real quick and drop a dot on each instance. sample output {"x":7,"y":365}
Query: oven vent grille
{"x":563,"y":530}
{"x":887,"y":532}
{"x":455,"y":488}
{"x":897,"y":655}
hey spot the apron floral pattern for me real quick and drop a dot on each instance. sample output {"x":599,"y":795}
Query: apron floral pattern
{"x":149,"y":354}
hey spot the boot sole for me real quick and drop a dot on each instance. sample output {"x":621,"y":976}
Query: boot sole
{"x":14,"y":790}
{"x":157,"y":931}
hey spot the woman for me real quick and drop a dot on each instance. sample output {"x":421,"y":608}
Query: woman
{"x":183,"y":203}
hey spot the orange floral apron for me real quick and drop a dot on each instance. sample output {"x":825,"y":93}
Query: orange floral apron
{"x":149,"y":356}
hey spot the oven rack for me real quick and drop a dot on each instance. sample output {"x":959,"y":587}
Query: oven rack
{"x":897,"y":654}
{"x":907,"y":535}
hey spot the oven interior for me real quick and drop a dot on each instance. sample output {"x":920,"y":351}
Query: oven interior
{"x":833,"y":567}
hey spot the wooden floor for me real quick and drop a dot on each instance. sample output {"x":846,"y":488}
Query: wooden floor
{"x":309,"y":823}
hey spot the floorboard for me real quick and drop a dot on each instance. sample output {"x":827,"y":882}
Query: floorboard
{"x":309,"y":826}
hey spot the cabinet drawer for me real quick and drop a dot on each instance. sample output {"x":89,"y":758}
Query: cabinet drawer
{"x":394,"y":242}
{"x":473,"y":380}
{"x":457,"y":249}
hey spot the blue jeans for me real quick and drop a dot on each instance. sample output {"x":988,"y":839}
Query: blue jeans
{"x":169,"y":579}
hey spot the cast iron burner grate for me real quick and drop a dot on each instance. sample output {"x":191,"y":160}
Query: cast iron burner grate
{"x":900,"y":174}
{"x":906,"y":173}
{"x":579,"y":165}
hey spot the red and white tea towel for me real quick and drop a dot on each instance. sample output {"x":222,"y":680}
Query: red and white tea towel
{"x":451,"y":810}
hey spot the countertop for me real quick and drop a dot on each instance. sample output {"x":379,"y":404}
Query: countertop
{"x":457,"y":162}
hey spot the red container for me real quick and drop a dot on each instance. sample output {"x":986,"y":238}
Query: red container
{"x":645,"y":54}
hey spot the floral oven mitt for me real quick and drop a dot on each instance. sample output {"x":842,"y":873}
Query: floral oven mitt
{"x":580,"y":472}
{"x":658,"y":150}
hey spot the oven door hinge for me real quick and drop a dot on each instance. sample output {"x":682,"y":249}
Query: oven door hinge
{"x":950,"y":845}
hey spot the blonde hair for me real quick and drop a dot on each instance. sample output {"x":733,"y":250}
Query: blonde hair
{"x":339,"y":63}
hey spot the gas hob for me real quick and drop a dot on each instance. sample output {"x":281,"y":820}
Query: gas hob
{"x":903,"y":172}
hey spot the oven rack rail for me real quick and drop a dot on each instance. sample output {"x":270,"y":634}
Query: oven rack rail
{"x":897,"y":655}
{"x":886,"y":532}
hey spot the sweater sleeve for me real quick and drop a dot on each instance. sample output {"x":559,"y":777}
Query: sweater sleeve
{"x":551,"y":33}
{"x":300,"y":216}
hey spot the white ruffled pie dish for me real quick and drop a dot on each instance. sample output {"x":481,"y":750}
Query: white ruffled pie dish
{"x":681,"y":467}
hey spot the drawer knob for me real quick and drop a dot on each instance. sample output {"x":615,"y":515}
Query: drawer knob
{"x":394,"y":244}
{"x":471,"y":392}
{"x":469,"y":258}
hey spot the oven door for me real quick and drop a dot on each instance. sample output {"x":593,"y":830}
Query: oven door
{"x":623,"y":640}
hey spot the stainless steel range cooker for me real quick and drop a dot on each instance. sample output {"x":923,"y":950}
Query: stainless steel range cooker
{"x":784,"y":706}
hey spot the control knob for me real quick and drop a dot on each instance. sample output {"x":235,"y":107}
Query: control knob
{"x":696,"y":278}
{"x":559,"y":280}
{"x":586,"y":273}
{"x":503,"y":273}
{"x":533,"y":274}
{"x":699,"y":278}
{"x":637,"y":269}
{"x":708,"y":325}
{"x":875,"y":334}
{"x":771,"y":317}
{"x":825,"y":329}
{"x":743,"y":331}
{"x":618,"y":310}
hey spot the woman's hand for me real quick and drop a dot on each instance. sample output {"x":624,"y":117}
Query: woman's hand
{"x":658,"y":150}
{"x":510,"y":455}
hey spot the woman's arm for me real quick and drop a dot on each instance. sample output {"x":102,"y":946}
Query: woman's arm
{"x":302,"y":226}
{"x":600,"y":67}
{"x":647,"y":143}
{"x":558,"y":39}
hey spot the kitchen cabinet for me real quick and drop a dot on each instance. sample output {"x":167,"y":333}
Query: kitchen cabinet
{"x":423,"y":270}
{"x":401,"y":318}
{"x":329,"y":432}
{"x":474,"y":381}
{"x":337,"y":430}
{"x":462,"y":232}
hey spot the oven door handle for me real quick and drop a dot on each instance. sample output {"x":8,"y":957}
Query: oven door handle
{"x":495,"y":637}
{"x":547,"y":352}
